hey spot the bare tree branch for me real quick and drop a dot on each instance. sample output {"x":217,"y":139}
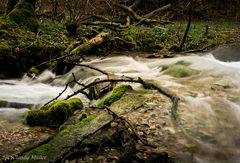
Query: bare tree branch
{"x":157,"y":10}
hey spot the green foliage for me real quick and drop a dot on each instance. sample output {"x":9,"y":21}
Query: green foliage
{"x":23,"y":15}
{"x":116,"y":94}
{"x":140,"y":37}
{"x":55,"y":114}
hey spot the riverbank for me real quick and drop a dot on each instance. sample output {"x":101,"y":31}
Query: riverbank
{"x":23,"y":49}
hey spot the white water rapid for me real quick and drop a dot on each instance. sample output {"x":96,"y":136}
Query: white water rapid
{"x":209,"y":109}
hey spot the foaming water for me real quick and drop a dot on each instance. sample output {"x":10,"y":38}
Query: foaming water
{"x":209,"y":110}
{"x":28,"y":93}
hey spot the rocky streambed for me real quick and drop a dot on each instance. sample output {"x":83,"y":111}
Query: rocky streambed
{"x":204,"y":128}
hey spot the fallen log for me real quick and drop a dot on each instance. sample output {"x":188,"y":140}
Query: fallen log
{"x":69,"y":138}
{"x":77,"y":49}
{"x":89,"y":45}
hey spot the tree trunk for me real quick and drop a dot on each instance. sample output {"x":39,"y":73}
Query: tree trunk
{"x":23,"y":14}
{"x":188,"y":25}
{"x":54,"y":8}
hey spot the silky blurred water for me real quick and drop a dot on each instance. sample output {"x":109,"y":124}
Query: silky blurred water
{"x":209,"y":110}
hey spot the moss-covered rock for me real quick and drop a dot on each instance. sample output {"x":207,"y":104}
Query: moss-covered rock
{"x":34,"y":70}
{"x":116,"y":94}
{"x":23,"y":14}
{"x":53,"y":115}
{"x":180,"y":71}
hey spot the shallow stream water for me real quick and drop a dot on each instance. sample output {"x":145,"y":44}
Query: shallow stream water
{"x":209,"y":109}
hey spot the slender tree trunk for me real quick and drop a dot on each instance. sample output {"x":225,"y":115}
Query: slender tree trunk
{"x":55,"y":7}
{"x":188,"y":25}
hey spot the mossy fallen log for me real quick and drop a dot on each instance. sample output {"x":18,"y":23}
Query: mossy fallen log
{"x":68,"y":138}
{"x":89,"y":45}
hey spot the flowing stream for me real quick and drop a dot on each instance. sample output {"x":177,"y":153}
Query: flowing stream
{"x":209,"y":109}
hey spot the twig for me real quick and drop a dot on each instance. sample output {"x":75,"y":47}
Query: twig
{"x":91,"y":67}
{"x":174,"y":98}
{"x":66,"y":86}
{"x":131,"y":126}
{"x":157,"y":10}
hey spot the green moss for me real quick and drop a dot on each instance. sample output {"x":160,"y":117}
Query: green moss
{"x":39,"y":151}
{"x":53,"y":115}
{"x":3,"y":103}
{"x":34,"y":70}
{"x":81,"y":123}
{"x":180,"y":71}
{"x":23,"y":14}
{"x":183,"y":63}
{"x":116,"y":94}
{"x":82,"y":116}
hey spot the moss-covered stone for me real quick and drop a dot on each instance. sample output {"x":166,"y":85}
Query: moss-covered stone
{"x":116,"y":94}
{"x":183,"y":63}
{"x":3,"y":103}
{"x":180,"y":71}
{"x":53,"y":115}
{"x":23,"y":14}
{"x":34,"y":70}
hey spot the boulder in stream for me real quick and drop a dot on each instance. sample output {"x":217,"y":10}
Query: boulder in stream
{"x":54,"y":114}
